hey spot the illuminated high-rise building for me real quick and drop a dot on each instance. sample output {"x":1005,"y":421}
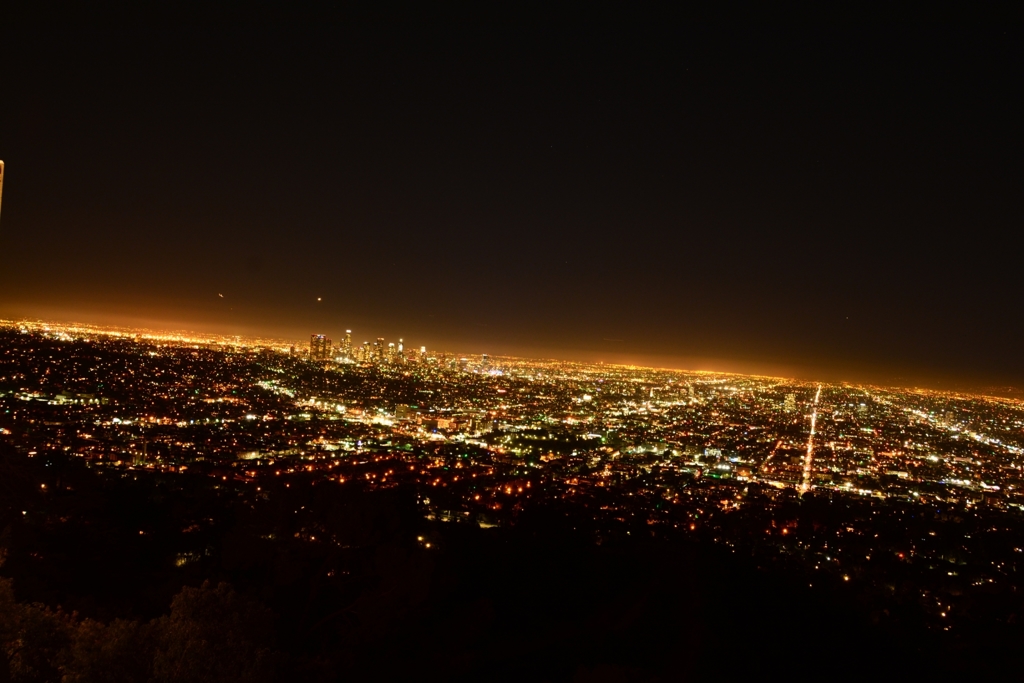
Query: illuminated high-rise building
{"x":401,"y":346}
{"x":319,"y":347}
{"x":379,"y":350}
{"x":346,"y":346}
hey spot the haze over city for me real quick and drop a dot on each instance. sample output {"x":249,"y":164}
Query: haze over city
{"x":830,"y":206}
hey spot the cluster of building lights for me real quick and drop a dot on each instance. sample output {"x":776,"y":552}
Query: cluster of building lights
{"x":621,"y":449}
{"x":321,"y":348}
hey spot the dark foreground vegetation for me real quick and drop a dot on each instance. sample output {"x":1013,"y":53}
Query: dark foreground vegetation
{"x":135,"y":576}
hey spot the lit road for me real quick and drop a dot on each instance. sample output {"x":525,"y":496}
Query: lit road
{"x":806,"y":485}
{"x":764,"y":465}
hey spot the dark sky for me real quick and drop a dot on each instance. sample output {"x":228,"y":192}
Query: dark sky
{"x":842,"y":205}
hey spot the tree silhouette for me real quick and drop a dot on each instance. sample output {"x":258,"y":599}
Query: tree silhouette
{"x":34,"y":639}
{"x":119,"y":652}
{"x":213,"y":634}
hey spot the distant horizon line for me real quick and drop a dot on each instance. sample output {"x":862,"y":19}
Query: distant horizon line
{"x":255,"y":340}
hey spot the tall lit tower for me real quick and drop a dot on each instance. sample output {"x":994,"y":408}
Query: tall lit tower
{"x":346,"y":348}
{"x":319,"y":347}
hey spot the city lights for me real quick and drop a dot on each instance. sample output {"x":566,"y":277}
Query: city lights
{"x":482,"y":440}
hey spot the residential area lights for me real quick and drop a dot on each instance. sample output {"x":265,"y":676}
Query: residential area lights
{"x":484,"y":440}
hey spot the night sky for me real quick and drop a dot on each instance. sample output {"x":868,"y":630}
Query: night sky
{"x":826,"y":204}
